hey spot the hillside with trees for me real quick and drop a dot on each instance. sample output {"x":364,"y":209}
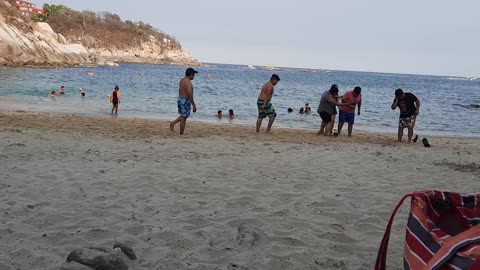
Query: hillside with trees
{"x":104,"y":35}
{"x":103,"y":29}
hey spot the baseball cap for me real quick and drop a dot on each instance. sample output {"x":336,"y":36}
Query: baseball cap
{"x":190,"y":71}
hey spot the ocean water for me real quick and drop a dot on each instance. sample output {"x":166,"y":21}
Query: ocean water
{"x":150,"y":91}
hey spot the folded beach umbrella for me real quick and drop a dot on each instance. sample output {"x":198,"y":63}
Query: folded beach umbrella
{"x":443,"y":232}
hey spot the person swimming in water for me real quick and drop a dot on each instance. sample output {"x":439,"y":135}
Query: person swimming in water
{"x":53,"y":94}
{"x":115,"y":100}
{"x":231,"y":115}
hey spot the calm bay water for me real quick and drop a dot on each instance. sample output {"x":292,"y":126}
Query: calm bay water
{"x":150,"y":91}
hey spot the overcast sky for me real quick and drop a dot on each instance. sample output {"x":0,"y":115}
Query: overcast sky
{"x":423,"y":37}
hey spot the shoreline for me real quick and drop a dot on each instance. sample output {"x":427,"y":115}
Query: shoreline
{"x":149,"y":128}
{"x":15,"y":104}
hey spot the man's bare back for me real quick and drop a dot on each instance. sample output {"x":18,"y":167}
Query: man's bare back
{"x":185,"y":88}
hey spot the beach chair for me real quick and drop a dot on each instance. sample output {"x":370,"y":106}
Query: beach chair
{"x":443,"y":232}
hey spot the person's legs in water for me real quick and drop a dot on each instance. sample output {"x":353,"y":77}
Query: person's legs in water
{"x":114,"y":109}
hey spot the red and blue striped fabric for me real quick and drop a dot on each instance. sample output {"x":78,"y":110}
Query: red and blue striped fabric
{"x":443,"y":232}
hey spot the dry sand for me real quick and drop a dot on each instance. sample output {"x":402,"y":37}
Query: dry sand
{"x":305,"y":202}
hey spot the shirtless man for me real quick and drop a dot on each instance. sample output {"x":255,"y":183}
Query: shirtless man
{"x":185,"y":100}
{"x":265,"y":108}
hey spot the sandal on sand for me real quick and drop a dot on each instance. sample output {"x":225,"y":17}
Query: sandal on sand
{"x":425,"y":142}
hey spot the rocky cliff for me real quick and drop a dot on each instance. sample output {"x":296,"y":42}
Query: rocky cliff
{"x":23,"y":42}
{"x":35,"y":44}
{"x":147,"y":52}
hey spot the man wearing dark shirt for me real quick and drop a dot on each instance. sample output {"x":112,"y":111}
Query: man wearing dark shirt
{"x":409,"y":106}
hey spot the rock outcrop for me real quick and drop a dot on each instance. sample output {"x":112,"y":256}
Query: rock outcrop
{"x":36,"y":44}
{"x":150,"y":52}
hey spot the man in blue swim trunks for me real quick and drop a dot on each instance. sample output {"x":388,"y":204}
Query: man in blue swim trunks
{"x":265,"y":108}
{"x":185,"y":100}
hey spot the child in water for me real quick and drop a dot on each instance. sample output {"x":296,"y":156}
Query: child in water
{"x":115,"y":100}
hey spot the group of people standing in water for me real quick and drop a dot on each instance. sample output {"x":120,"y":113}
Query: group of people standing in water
{"x":349,"y":104}
{"x":114,"y":97}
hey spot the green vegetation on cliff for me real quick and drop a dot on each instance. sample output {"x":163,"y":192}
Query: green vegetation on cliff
{"x":103,"y":29}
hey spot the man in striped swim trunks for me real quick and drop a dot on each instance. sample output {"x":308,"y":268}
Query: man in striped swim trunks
{"x":265,"y":107}
{"x":185,"y":101}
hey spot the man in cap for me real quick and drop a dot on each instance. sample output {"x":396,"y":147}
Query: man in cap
{"x":409,"y":106}
{"x":185,"y":100}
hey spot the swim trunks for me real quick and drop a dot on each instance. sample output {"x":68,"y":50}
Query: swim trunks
{"x":326,"y":117}
{"x":184,"y":106}
{"x":267,"y":111}
{"x":406,"y":121}
{"x":346,"y":117}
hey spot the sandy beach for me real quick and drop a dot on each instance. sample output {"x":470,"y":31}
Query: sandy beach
{"x":219,"y":197}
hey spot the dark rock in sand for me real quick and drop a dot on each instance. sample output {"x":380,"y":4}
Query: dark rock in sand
{"x":18,"y":144}
{"x":234,"y":266}
{"x":99,"y":258}
{"x":127,"y":250}
{"x":249,"y":235}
